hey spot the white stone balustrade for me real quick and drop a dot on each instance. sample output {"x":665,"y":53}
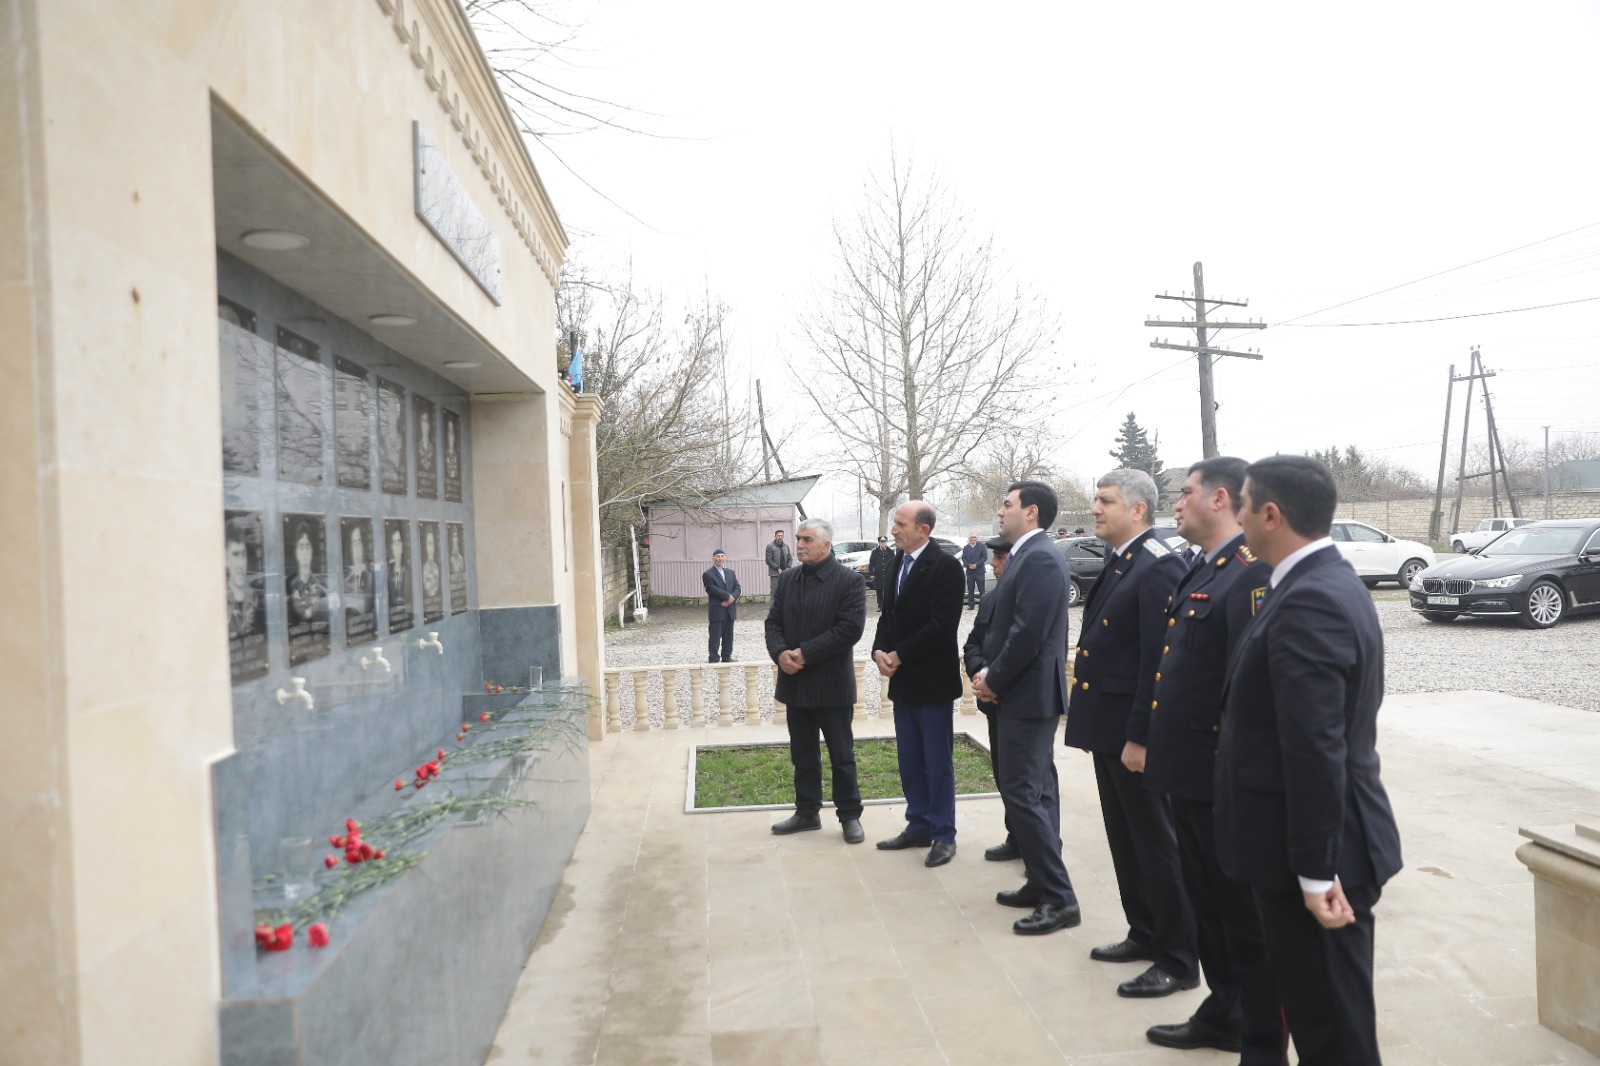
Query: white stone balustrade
{"x":720,"y":695}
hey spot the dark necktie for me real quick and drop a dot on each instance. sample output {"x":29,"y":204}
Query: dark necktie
{"x":905,"y":568}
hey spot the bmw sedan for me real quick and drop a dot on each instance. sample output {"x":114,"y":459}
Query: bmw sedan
{"x":1537,"y":574}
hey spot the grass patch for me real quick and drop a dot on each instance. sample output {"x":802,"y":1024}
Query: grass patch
{"x":761,"y":774}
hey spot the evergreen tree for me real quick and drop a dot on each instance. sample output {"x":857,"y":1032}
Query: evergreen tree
{"x":1136,"y":451}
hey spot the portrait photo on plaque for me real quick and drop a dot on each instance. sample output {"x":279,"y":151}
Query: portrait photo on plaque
{"x":360,"y":581}
{"x":425,"y":416}
{"x":244,"y":362}
{"x":391,"y":438}
{"x":352,"y":424}
{"x":301,"y":392}
{"x":450,"y":428}
{"x":397,"y":566}
{"x":244,"y":560}
{"x":305,"y":569}
{"x":456,"y":541}
{"x":432,"y":573}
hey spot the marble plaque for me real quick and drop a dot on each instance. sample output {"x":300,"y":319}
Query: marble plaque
{"x":450,"y":426}
{"x":300,"y":408}
{"x":456,"y":539}
{"x":425,"y":418}
{"x":305,"y":568}
{"x":360,"y":581}
{"x":432,"y":573}
{"x":244,"y":560}
{"x":352,"y":424}
{"x":244,"y":363}
{"x":392,"y":438}
{"x":447,"y":210}
{"x":397,"y":539}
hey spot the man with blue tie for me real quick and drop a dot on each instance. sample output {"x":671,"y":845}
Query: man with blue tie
{"x":722,"y":607}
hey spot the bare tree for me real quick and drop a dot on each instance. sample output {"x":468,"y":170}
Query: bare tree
{"x":927,"y":354}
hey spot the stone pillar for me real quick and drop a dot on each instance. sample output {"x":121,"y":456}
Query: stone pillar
{"x":641,"y":709}
{"x":583,"y":503}
{"x":751,"y":715}
{"x":1565,"y":862}
{"x":613,"y":705}
{"x":780,"y":713}
{"x":724,"y":696}
{"x":860,"y":714}
{"x":669,"y":699}
{"x":697,"y":698}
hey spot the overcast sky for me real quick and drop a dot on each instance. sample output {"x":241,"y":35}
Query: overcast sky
{"x":1307,"y":154}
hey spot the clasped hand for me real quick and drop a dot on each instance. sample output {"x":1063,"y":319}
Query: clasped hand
{"x":888,"y":662}
{"x":1331,"y":908}
{"x":791,"y":661}
{"x":981,"y":689}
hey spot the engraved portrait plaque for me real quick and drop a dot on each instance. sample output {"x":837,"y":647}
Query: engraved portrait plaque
{"x":244,"y":362}
{"x":244,"y":560}
{"x":432,"y":573}
{"x":392,"y":438}
{"x":360,"y":581}
{"x":300,"y":404}
{"x":425,"y":417}
{"x":305,"y":569}
{"x":352,"y":424}
{"x":397,"y":542}
{"x":455,"y":539}
{"x":445,"y":207}
{"x":450,"y":428}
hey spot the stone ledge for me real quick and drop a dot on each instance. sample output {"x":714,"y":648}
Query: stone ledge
{"x":1565,"y":862}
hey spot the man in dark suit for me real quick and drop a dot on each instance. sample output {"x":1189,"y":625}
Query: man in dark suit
{"x":1213,"y":604}
{"x":973,"y":660}
{"x":1301,"y":815}
{"x":1024,"y":673}
{"x":879,"y":564}
{"x":974,"y":560}
{"x":1119,"y":645}
{"x":916,"y":649}
{"x":779,"y":557}
{"x":722,"y":607}
{"x":818,"y":612}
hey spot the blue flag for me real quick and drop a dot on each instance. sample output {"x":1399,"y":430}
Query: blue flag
{"x":575,"y":368}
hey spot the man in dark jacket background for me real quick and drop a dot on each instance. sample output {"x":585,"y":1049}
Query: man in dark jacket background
{"x":974,"y":560}
{"x":878,"y":566}
{"x":916,"y":649}
{"x":779,"y":557}
{"x":722,"y":607}
{"x":818,"y":612}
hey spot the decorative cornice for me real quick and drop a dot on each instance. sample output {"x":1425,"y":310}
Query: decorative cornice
{"x":516,"y":184}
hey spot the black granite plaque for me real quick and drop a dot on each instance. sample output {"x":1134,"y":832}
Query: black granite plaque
{"x":305,"y":568}
{"x":450,"y":427}
{"x":243,"y":363}
{"x":247,"y":603}
{"x":425,"y":415}
{"x":456,"y":537}
{"x":352,"y":424}
{"x":432,"y":573}
{"x":360,"y":581}
{"x":397,"y":538}
{"x":300,"y":408}
{"x":392,"y":437}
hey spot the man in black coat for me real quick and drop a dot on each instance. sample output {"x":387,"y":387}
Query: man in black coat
{"x":722,"y":607}
{"x":1119,"y":645}
{"x":879,"y":563}
{"x":1301,"y":815}
{"x":916,"y":649}
{"x":975,"y":561}
{"x":818,"y":612}
{"x":1024,"y":673}
{"x":972,"y":661}
{"x":1208,"y":613}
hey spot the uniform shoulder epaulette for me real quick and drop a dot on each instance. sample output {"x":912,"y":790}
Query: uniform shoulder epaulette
{"x":1244,"y":554}
{"x":1156,"y":548}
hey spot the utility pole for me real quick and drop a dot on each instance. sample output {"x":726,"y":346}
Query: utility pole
{"x":761,"y":415}
{"x":1437,"y":517}
{"x":1203,"y":350}
{"x":1500,"y":452}
{"x":1474,"y":372}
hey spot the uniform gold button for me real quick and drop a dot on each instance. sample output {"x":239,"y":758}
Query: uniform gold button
{"x":1152,"y":705}
{"x":1158,"y":675}
{"x":1172,"y":622}
{"x":1166,"y":648}
{"x":1086,"y":686}
{"x":1216,"y":729}
{"x":1191,"y":614}
{"x":1083,"y":652}
{"x":1105,"y":621}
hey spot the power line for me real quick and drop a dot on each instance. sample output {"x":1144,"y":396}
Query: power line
{"x":1442,"y":318}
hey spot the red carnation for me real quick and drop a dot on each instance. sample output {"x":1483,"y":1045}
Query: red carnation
{"x":398,"y":784}
{"x":337,"y":842}
{"x":484,"y":717}
{"x":318,"y":935}
{"x":487,"y":687}
{"x":441,"y":753}
{"x":460,"y":737}
{"x":378,"y":854}
{"x":264,"y":937}
{"x":366,"y":851}
{"x":352,"y":855}
{"x":329,"y":861}
{"x":351,"y":824}
{"x":282,"y":938}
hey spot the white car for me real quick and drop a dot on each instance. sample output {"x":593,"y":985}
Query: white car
{"x":1378,"y":556}
{"x":1486,"y":530}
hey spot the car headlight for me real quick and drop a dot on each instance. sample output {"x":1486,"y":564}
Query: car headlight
{"x":1416,"y":581}
{"x":1499,"y":582}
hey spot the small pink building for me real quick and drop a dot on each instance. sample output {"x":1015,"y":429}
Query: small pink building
{"x":740,"y":522}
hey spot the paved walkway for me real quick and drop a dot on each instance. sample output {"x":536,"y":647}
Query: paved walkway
{"x":702,"y":938}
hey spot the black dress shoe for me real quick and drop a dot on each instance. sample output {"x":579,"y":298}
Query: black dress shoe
{"x":1155,"y":982}
{"x":1192,"y":1034}
{"x":1002,"y":852}
{"x":1027,"y":896}
{"x":1047,"y":918}
{"x":797,"y":823}
{"x":853,"y":833}
{"x":902,"y":842}
{"x":1123,"y":951}
{"x":941,"y":852}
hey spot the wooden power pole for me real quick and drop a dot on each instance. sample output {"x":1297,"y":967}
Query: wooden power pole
{"x":1203,"y":349}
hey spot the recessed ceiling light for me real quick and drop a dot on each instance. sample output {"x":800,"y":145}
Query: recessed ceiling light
{"x":461,"y":364}
{"x":275,"y":240}
{"x":392,"y":320}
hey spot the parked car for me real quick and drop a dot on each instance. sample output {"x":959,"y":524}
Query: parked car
{"x":1379,"y":557}
{"x":1485,"y":531}
{"x":841,"y":548}
{"x":1085,"y":558}
{"x":1537,"y":573}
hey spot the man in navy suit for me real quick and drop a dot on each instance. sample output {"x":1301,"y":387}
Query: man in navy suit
{"x":722,"y":607}
{"x":915,"y":648}
{"x":1207,"y":616}
{"x":1024,"y":673}
{"x":1124,"y":629}
{"x":1301,"y":815}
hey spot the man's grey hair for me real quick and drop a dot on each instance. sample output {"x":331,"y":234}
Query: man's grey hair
{"x":1136,"y":486}
{"x":821,"y":525}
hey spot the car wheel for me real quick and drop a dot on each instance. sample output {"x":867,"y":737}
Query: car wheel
{"x":1410,"y":570}
{"x":1440,"y":616}
{"x":1544,"y":607}
{"x":1074,"y":594}
{"x":1370,"y":582}
{"x":1458,"y":547}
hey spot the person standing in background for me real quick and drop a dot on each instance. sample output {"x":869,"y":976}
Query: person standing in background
{"x":973,"y":660}
{"x":722,"y":607}
{"x":974,"y":559}
{"x":779,"y":558}
{"x":878,"y":566}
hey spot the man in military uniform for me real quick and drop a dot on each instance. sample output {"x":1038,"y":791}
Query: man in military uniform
{"x":1213,"y":604}
{"x":1119,"y":646}
{"x":879,"y":563}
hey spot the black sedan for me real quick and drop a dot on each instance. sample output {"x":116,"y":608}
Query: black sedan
{"x":1537,"y":574}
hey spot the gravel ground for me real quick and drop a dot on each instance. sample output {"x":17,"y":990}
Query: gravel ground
{"x":1560,"y":665}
